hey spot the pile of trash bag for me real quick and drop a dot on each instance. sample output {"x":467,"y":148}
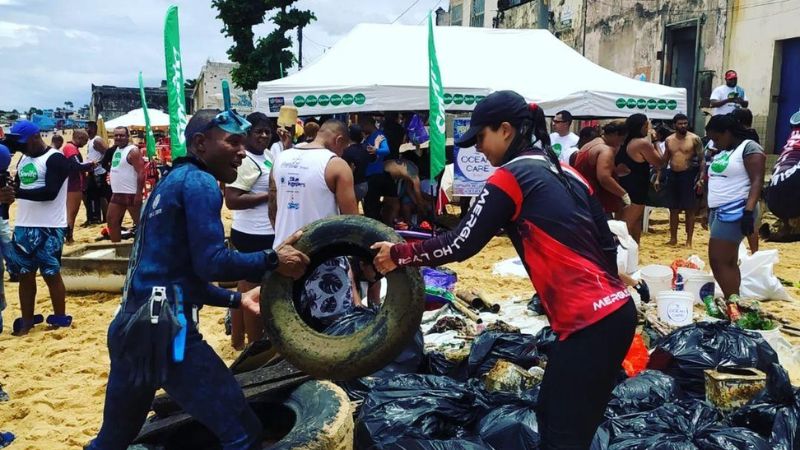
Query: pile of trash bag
{"x":436,"y":412}
{"x":685,"y":353}
{"x":683,"y":425}
{"x":518,"y":348}
{"x":408,"y":361}
{"x":775,"y":412}
{"x":644,"y":392}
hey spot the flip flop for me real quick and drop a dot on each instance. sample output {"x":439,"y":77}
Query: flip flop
{"x":59,"y":321}
{"x":19,"y":323}
{"x":6,"y":438}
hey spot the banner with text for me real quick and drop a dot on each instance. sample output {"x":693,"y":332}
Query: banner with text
{"x":471,"y":168}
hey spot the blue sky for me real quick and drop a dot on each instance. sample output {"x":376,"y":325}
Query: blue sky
{"x":53,"y":50}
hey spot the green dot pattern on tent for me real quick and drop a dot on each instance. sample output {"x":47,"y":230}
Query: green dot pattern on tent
{"x":332,"y":100}
{"x":643,"y":103}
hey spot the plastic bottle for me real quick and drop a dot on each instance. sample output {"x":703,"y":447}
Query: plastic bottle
{"x":711,"y":307}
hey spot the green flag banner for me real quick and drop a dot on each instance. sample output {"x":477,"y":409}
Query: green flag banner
{"x":175,"y":93}
{"x":436,"y":98}
{"x":149,"y":138}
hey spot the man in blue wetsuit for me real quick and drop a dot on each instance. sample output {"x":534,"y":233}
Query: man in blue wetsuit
{"x":179,"y":250}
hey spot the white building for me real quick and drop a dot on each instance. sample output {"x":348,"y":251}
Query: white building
{"x":473,"y":13}
{"x":208,"y":89}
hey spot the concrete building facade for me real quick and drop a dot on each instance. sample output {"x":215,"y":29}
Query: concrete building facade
{"x":208,"y":89}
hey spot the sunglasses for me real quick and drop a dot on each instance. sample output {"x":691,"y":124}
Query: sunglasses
{"x":228,"y":121}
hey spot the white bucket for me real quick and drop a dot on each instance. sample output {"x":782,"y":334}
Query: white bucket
{"x":657,"y":277}
{"x":696,"y":282}
{"x":675,"y":308}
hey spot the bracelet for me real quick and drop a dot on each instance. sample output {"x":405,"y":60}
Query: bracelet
{"x":626,"y":199}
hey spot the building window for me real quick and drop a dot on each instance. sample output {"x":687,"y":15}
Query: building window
{"x":476,"y":16}
{"x":456,"y":14}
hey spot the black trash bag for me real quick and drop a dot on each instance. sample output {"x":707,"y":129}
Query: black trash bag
{"x":535,"y":305}
{"x":450,"y":444}
{"x":685,"y":353}
{"x":691,"y":425}
{"x":644,"y":392}
{"x":409,"y":360}
{"x":435,"y":363}
{"x":512,"y":424}
{"x":490,"y":346}
{"x":775,"y":412}
{"x":422,"y":407}
{"x":546,"y":338}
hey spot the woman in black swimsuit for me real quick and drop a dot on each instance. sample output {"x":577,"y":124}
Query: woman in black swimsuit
{"x":633,"y":168}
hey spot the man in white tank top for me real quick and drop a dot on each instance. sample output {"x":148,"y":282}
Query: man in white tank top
{"x":310,"y":182}
{"x":40,"y":226}
{"x":98,"y":191}
{"x":127,"y":181}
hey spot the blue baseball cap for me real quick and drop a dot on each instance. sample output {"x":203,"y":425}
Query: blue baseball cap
{"x":497,"y":107}
{"x":24,"y":130}
{"x":5,"y":157}
{"x":795,"y":119}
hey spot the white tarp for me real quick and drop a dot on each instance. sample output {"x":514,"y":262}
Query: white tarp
{"x":135,"y":118}
{"x":385,"y":68}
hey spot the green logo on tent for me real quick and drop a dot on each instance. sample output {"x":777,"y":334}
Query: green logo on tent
{"x":621,"y":103}
{"x":360,"y":98}
{"x":631,"y":103}
{"x":323,"y":100}
{"x":662,"y":104}
{"x":448,"y":98}
{"x":116,"y":159}
{"x":458,"y":99}
{"x":469,"y":99}
{"x":641,"y":103}
{"x":478,"y":98}
{"x":311,"y":100}
{"x":651,"y":104}
{"x":336,"y":99}
{"x":299,"y":101}
{"x":28,"y":173}
{"x":672,"y":104}
{"x":347,"y":99}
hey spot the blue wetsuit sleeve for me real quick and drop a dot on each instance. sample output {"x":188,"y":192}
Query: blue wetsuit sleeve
{"x":217,"y":296}
{"x":383,"y":149}
{"x":57,"y":172}
{"x":211,"y":260}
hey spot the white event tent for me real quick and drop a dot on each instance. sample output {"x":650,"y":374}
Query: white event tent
{"x":385,"y":68}
{"x":135,"y":119}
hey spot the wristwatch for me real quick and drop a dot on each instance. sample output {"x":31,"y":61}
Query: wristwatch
{"x":271,"y":258}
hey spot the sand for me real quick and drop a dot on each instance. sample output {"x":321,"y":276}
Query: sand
{"x":56,"y":378}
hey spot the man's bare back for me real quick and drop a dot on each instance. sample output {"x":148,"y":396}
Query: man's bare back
{"x":682,"y":150}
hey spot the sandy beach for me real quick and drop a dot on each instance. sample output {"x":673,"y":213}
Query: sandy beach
{"x":56,"y":378}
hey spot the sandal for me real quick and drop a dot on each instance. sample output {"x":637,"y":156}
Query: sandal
{"x":59,"y":321}
{"x":21,"y":324}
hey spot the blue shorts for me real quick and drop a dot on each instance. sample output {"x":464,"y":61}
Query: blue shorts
{"x":36,"y":248}
{"x":727,"y":231}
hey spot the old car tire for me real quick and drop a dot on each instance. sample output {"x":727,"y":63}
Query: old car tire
{"x":365,"y":351}
{"x":323,"y":418}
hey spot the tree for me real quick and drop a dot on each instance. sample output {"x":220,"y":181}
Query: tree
{"x":262,"y":59}
{"x":33,"y":110}
{"x":69,"y":104}
{"x":13,"y":116}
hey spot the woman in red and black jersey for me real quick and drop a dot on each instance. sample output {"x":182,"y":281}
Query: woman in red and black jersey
{"x":560,"y":232}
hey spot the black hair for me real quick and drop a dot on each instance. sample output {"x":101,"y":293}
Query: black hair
{"x":91,"y":123}
{"x":727,"y":122}
{"x":634,"y":125}
{"x":566,"y":116}
{"x":127,"y":132}
{"x":680,"y":116}
{"x":743,"y":116}
{"x":356,"y":133}
{"x":617,"y":127}
{"x":258,"y":119}
{"x":663,"y":132}
{"x":587,"y":134}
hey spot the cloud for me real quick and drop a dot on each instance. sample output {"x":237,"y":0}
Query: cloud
{"x":60,"y":50}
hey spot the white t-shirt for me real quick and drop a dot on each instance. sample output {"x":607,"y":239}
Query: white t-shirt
{"x":724,"y":92}
{"x":253,"y":176}
{"x":93,"y":155}
{"x":48,"y":214}
{"x":562,"y":143}
{"x":276,"y":150}
{"x":303,"y":194}
{"x":566,"y":154}
{"x":123,"y":176}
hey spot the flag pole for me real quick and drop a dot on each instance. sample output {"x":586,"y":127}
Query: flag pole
{"x":436,"y":118}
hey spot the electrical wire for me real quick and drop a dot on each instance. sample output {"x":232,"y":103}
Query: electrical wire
{"x":406,"y":10}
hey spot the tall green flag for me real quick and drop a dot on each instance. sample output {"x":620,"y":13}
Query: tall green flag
{"x":149,"y":138}
{"x":436,"y":98}
{"x":175,"y":93}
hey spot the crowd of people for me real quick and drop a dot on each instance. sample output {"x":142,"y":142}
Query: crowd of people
{"x":552,"y":194}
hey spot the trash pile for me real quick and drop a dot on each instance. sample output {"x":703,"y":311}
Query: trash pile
{"x":470,"y":380}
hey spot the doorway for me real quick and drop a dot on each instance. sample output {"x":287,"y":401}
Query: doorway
{"x":681,"y":47}
{"x":789,"y":94}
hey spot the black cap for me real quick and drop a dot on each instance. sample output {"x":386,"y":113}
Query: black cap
{"x":497,"y":107}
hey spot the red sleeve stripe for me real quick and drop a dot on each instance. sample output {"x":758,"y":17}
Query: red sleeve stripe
{"x":506,"y":182}
{"x":578,"y":176}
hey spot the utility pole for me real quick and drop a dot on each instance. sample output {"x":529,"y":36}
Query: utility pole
{"x":583,"y":25}
{"x":300,"y":44}
{"x":543,"y":16}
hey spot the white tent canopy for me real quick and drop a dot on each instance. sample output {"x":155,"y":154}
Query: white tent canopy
{"x":135,"y":118}
{"x":385,"y":68}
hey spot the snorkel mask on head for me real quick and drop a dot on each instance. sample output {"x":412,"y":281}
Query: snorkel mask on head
{"x":228,"y":120}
